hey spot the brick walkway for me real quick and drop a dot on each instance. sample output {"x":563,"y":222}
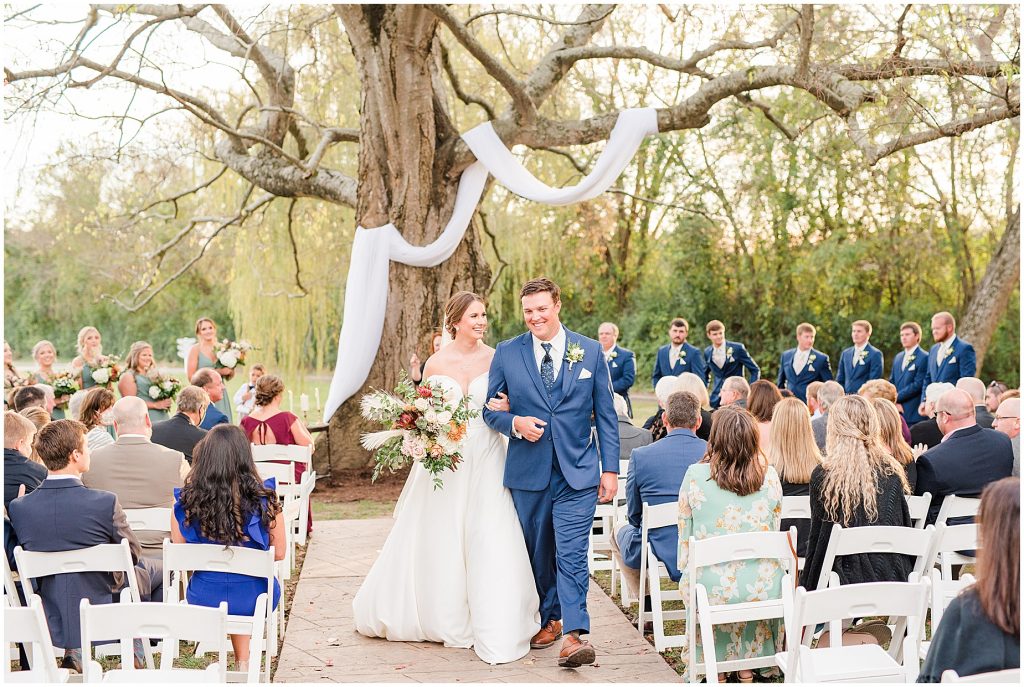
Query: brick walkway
{"x":321,"y":646}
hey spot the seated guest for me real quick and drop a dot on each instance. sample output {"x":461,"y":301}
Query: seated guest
{"x":857,"y":484}
{"x":794,"y":455}
{"x":49,"y":399}
{"x":75,"y":405}
{"x":976,"y":388}
{"x":666,"y":387}
{"x":37,"y":416}
{"x":21,"y":475}
{"x":245,"y":397}
{"x":97,"y":402}
{"x":812,"y":399}
{"x":225,"y":473}
{"x":695,"y":385}
{"x":892,"y":438}
{"x":927,"y":431}
{"x":733,"y":490}
{"x":879,"y":388}
{"x":26,"y":397}
{"x":1007,"y":421}
{"x":210,"y":382}
{"x":655,"y":473}
{"x":630,"y":436}
{"x":735,"y":391}
{"x":182,"y":432}
{"x":85,"y":517}
{"x":140,"y":473}
{"x":761,"y":403}
{"x":980,"y":629}
{"x":828,"y":394}
{"x":992,"y":394}
{"x":967,"y":460}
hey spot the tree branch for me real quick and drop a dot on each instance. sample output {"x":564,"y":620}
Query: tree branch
{"x":457,"y":87}
{"x":901,"y":40}
{"x":806,"y":36}
{"x":527,"y":15}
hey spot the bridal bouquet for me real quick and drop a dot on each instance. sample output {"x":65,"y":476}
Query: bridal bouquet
{"x":64,"y":384}
{"x":232,"y":353}
{"x":424,"y":425}
{"x":107,"y":370}
{"x":163,"y":387}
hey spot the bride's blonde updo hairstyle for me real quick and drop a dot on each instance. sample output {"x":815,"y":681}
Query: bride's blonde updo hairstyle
{"x":456,"y":308}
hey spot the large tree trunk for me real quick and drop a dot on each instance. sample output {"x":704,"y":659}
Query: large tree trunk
{"x":405,"y":178}
{"x":991,"y":297}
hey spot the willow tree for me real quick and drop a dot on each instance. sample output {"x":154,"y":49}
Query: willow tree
{"x":896,"y":78}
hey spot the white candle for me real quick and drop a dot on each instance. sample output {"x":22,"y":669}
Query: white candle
{"x":304,"y":403}
{"x":317,"y":390}
{"x":291,"y":401}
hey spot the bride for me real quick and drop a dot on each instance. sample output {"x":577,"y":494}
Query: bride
{"x":454,"y":568}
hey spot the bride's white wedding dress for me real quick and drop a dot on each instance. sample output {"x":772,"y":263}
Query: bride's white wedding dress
{"x":454,"y":568}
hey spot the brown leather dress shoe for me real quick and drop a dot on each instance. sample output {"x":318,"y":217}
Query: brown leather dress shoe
{"x":547,"y":635}
{"x":575,"y":653}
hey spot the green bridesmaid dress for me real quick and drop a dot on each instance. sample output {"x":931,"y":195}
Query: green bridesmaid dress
{"x":58,"y":413}
{"x":224,"y":404}
{"x":142,"y":385}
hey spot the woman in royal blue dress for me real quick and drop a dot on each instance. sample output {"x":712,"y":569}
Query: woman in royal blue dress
{"x":223,"y":472}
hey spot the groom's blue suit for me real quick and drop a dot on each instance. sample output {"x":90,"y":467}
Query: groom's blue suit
{"x":554,"y":481}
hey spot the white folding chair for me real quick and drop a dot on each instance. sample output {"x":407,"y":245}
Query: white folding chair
{"x":918,"y":506}
{"x":662,"y":515}
{"x":11,"y":597}
{"x":947,"y":541}
{"x":1007,"y":677}
{"x":599,"y":550}
{"x":169,"y":623}
{"x":863,"y":663}
{"x":27,"y":625}
{"x":156,"y":519}
{"x":907,"y":541}
{"x":702,"y":615}
{"x":954,"y":506}
{"x":264,"y":454}
{"x":618,"y":517}
{"x":262,"y":625}
{"x":287,"y":492}
{"x":796,"y":508}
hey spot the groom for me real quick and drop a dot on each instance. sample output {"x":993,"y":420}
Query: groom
{"x":556,"y":381}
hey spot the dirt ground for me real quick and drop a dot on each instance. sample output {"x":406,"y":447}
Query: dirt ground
{"x":356,"y":484}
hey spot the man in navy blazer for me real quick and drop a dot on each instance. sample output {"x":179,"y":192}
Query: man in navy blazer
{"x":908,"y":372}
{"x":804,"y":364}
{"x":210,"y":382}
{"x":556,"y":381}
{"x":63,"y":515}
{"x":678,"y":357}
{"x":655,"y":473}
{"x":951,"y":357}
{"x":621,"y":362}
{"x":726,"y":359}
{"x":969,"y":457}
{"x":860,"y":362}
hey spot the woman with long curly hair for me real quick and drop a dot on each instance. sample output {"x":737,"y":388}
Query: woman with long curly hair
{"x":98,"y":400}
{"x":857,"y":484}
{"x":224,"y":501}
{"x":980,"y":630}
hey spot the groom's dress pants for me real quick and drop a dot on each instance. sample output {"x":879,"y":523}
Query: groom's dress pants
{"x":556,"y":525}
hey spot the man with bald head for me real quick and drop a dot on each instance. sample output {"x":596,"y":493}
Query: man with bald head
{"x":968,"y":458}
{"x":976,"y":389}
{"x":1007,"y":421}
{"x":142,"y":474}
{"x":951,"y":357}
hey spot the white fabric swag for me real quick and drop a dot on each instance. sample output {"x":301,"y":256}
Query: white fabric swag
{"x":373,"y":250}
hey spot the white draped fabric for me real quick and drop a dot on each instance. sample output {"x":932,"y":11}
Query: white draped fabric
{"x":366,"y":289}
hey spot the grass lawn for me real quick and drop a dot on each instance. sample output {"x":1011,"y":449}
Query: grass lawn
{"x":352,"y":510}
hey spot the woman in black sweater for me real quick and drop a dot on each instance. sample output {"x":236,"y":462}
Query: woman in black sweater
{"x":858,"y":484}
{"x":980,"y":630}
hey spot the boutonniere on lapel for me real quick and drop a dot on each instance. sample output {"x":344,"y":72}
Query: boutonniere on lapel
{"x":682,"y":357}
{"x":573,"y":354}
{"x":810,"y":362}
{"x":860,"y":358}
{"x":612,"y":356}
{"x":728,"y":355}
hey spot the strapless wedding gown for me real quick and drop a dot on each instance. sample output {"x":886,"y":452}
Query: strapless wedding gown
{"x":454,"y":568}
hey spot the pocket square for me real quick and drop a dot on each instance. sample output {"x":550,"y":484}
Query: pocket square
{"x":585,"y":374}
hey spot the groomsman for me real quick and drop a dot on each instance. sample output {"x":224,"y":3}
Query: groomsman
{"x":861,"y":361}
{"x":725,"y":359}
{"x":908,"y":371}
{"x":951,"y":357}
{"x":804,"y":364}
{"x":621,"y":361}
{"x":678,"y":357}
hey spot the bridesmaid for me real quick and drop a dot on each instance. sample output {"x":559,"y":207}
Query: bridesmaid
{"x":135,"y":381}
{"x":203,"y":354}
{"x":45,"y":355}
{"x":11,"y":377}
{"x":90,"y":350}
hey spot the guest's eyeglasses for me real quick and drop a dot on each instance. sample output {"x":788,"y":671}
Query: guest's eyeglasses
{"x":997,"y":418}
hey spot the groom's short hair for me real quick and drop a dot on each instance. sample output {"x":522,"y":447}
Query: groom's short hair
{"x":541,"y":285}
{"x":682,"y":410}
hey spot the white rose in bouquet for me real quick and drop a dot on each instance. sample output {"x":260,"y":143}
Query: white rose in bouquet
{"x":101,"y":376}
{"x":154,"y":392}
{"x":228,"y":358}
{"x":422,"y":404}
{"x":430,"y":416}
{"x":166,"y":386}
{"x":444,"y":417}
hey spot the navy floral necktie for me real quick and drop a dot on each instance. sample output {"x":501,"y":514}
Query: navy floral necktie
{"x":547,"y":368}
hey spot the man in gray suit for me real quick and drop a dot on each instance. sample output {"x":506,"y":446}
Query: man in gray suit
{"x":1007,"y":421}
{"x":630,"y":436}
{"x":142,"y":474}
{"x":828,"y":394}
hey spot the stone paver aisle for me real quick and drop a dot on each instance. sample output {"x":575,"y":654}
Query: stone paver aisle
{"x":321,"y":646}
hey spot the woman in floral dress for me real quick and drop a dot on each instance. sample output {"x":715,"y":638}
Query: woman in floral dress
{"x":733,"y":490}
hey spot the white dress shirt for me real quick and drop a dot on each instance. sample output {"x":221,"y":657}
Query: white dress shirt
{"x":947,"y":348}
{"x":907,"y":352}
{"x":557,"y":351}
{"x":800,"y":359}
{"x":718,"y":355}
{"x":673,"y":354}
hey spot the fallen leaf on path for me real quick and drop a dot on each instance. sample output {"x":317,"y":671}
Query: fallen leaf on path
{"x":329,"y":663}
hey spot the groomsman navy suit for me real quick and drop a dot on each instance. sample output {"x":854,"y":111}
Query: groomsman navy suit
{"x":804,"y":364}
{"x":908,"y":372}
{"x":621,"y":362}
{"x":861,"y":361}
{"x":951,"y":357}
{"x":678,"y":357}
{"x":726,"y":359}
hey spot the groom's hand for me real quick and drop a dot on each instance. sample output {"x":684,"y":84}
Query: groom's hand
{"x":529,"y":427}
{"x":609,"y":485}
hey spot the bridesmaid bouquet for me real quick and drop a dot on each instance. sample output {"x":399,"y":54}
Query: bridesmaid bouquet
{"x":107,"y":370}
{"x":64,"y":384}
{"x":232,"y":353}
{"x":163,"y":387}
{"x":424,"y":425}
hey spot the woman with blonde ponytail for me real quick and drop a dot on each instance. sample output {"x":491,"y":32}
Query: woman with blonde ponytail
{"x":858,"y":484}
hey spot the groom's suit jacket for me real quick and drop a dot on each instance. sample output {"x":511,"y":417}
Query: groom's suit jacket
{"x":568,"y":436}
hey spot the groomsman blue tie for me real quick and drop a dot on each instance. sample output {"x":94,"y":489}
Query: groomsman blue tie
{"x":547,"y":368}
